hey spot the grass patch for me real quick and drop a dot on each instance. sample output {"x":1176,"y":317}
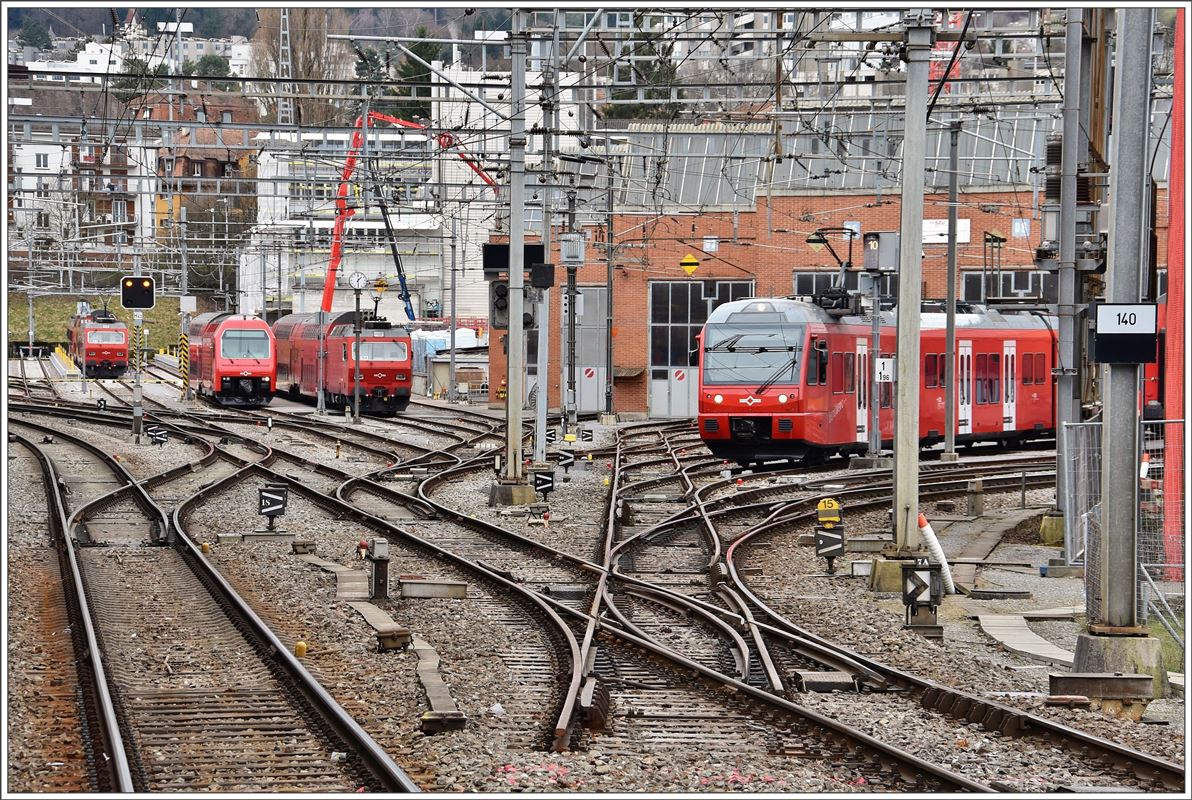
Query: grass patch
{"x":52,"y":313}
{"x":1173,"y":654}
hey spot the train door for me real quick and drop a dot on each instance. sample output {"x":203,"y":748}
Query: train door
{"x":1009,"y":390}
{"x":964,"y":387}
{"x":862,"y":383}
{"x":677,"y":310}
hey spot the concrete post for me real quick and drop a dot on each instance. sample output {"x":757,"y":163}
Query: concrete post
{"x":515,"y":379}
{"x":543,"y":314}
{"x":1067,"y":385}
{"x":571,"y":417}
{"x":875,"y":351}
{"x":919,"y":37}
{"x":355,"y":361}
{"x":950,"y":332}
{"x":609,"y":417}
{"x":451,"y":393}
{"x":1127,"y":240}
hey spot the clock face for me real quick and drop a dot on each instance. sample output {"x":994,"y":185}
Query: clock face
{"x":357,"y":280}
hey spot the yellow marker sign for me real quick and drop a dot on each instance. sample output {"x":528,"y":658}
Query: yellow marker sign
{"x":828,"y":511}
{"x":689,"y":263}
{"x":380,"y":285}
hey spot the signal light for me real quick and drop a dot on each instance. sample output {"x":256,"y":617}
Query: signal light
{"x":137,"y":292}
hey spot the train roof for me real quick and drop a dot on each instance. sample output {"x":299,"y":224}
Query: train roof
{"x":214,"y":319}
{"x":778,"y":310}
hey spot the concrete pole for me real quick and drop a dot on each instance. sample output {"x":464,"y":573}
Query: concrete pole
{"x":950,"y":328}
{"x":919,"y":37}
{"x":515,"y":380}
{"x":264,"y":288}
{"x":608,"y":254}
{"x":1067,"y":386}
{"x":543,"y":362}
{"x":1127,"y":253}
{"x":29,"y":256}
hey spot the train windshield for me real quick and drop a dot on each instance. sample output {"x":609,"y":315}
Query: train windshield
{"x":244,"y":344}
{"x":383,"y":351}
{"x":105,"y":337}
{"x":752,"y":354}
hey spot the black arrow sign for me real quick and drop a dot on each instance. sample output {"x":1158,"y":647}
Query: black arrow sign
{"x":101,"y":404}
{"x":544,"y":482}
{"x":566,"y":459}
{"x":919,"y":589}
{"x":828,"y":543}
{"x":551,"y":435}
{"x":273,"y":500}
{"x":586,"y":435}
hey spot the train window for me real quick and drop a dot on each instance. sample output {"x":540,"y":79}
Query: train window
{"x":1040,"y":368}
{"x":982,"y":374}
{"x":1028,"y":369}
{"x":244,"y":344}
{"x":941,"y":372}
{"x":383,"y":351}
{"x":837,"y":373}
{"x":849,"y":367}
{"x":930,"y":374}
{"x":813,"y":361}
{"x":105,"y":337}
{"x":1010,"y":388}
{"x":995,"y":378}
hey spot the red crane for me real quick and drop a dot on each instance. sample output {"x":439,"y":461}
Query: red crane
{"x":342,"y":211}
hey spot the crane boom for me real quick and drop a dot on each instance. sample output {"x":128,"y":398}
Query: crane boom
{"x":343,"y":212}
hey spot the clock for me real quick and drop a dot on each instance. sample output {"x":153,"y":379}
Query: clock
{"x":358,"y":280}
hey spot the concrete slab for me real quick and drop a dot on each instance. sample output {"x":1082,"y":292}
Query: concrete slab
{"x":1099,"y":685}
{"x":268,"y":536}
{"x":1011,"y":631}
{"x":444,"y":714}
{"x":453,"y":590}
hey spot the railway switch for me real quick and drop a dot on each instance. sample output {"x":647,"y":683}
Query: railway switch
{"x":829,"y":532}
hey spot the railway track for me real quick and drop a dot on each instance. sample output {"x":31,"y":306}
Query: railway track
{"x":197,"y":684}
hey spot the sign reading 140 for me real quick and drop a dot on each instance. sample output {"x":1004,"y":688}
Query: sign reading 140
{"x":1138,"y":318}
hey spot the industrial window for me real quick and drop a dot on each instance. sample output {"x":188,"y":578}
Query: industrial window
{"x":198,"y":169}
{"x":849,"y":367}
{"x":837,"y":373}
{"x":43,"y":160}
{"x":930,"y":365}
{"x":995,"y":378}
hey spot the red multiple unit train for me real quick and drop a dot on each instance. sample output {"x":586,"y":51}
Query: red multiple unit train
{"x":385,"y":361}
{"x":781,"y":378}
{"x":232,"y":359}
{"x":98,"y":344}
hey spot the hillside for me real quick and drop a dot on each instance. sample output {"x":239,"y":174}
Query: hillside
{"x":52,"y":315}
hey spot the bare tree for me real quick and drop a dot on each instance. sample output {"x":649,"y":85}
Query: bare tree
{"x":312,"y":55}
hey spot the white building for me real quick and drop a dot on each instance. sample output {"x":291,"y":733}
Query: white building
{"x":89,"y":66}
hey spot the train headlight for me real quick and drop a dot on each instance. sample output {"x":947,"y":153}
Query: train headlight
{"x":718,"y":399}
{"x":265,"y":379}
{"x":782,"y":398}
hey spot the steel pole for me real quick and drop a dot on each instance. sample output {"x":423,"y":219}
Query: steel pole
{"x":875,"y":350}
{"x":950,"y":328}
{"x":572,"y":295}
{"x":608,"y":254}
{"x":919,"y":37}
{"x":1127,"y":253}
{"x":542,"y":365}
{"x":515,"y":378}
{"x":1067,"y":385}
{"x":451,"y":390}
{"x":356,"y":365}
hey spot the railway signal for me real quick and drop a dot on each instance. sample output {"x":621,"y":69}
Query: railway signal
{"x":272,"y":502}
{"x":829,"y":532}
{"x":566,"y":459}
{"x":136,"y":291}
{"x":551,"y":435}
{"x":544,"y":482}
{"x":101,"y":404}
{"x":922,"y":592}
{"x":586,"y":435}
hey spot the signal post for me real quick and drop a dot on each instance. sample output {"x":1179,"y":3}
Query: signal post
{"x":136,"y":295}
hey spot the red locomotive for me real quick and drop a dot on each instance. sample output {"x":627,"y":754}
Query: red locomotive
{"x":385,"y":361}
{"x":780,"y":378}
{"x":98,"y":344}
{"x":232,"y":359}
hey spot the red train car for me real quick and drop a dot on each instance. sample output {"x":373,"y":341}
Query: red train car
{"x":233,"y":360}
{"x":782,"y":378}
{"x":385,"y":361}
{"x":98,"y":344}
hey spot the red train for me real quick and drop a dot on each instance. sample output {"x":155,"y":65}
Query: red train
{"x":98,"y":344}
{"x":781,"y":378}
{"x":385,"y":361}
{"x":233,"y":360}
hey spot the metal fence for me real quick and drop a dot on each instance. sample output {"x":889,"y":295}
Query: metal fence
{"x":1160,"y":531}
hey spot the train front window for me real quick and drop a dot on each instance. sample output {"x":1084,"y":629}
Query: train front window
{"x":105,"y":337}
{"x":752,"y":354}
{"x":383,"y":351}
{"x":244,"y":344}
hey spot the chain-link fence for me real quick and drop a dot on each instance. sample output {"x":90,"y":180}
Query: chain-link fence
{"x":1160,"y":535}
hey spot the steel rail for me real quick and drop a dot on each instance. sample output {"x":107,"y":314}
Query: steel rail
{"x":111,"y":760}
